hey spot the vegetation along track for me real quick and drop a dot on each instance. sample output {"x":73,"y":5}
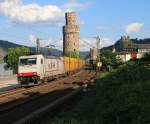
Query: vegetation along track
{"x":24,"y":105}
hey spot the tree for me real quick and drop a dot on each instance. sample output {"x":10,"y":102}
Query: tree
{"x":13,"y":56}
{"x":146,"y":57}
{"x":109,"y":59}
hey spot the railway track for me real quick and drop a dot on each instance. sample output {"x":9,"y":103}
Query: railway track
{"x":12,"y":91}
{"x":21,"y":90}
{"x":28,"y":102}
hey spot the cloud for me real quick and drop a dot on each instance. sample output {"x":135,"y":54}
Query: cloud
{"x":87,"y":43}
{"x":31,"y":13}
{"x":133,"y":27}
{"x":32,"y":38}
{"x":34,"y":13}
{"x":74,"y":5}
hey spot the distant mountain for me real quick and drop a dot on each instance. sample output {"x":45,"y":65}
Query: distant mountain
{"x":85,"y":54}
{"x":50,"y":51}
{"x":5,"y":45}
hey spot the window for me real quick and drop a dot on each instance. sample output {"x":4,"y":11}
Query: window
{"x":31,"y":61}
{"x":23,"y":61}
{"x":28,"y":61}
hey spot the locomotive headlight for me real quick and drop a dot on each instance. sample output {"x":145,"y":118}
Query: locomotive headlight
{"x":19,"y":74}
{"x":34,"y":73}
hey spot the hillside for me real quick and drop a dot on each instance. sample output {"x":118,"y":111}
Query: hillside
{"x":4,"y":45}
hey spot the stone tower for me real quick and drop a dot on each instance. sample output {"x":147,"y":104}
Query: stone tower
{"x":93,"y":53}
{"x":125,"y":40}
{"x":70,"y":34}
{"x":123,"y":44}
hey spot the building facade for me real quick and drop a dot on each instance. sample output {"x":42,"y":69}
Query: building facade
{"x":127,"y":56}
{"x":70,"y":34}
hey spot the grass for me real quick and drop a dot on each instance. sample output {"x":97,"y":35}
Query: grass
{"x":103,"y":74}
{"x":119,"y":97}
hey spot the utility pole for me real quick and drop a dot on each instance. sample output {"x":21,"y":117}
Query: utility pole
{"x":98,"y":63}
{"x":98,"y":47}
{"x":37,"y":45}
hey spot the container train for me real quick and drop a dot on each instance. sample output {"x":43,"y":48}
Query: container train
{"x":36,"y":69}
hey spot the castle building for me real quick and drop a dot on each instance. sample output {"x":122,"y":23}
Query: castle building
{"x":70,"y":34}
{"x":127,"y":49}
{"x":127,"y":45}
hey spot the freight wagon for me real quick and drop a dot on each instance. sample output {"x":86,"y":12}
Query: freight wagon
{"x":35,"y":69}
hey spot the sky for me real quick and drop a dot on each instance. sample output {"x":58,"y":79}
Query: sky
{"x":22,"y":21}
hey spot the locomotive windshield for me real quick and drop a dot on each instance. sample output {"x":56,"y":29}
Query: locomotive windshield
{"x":28,"y":61}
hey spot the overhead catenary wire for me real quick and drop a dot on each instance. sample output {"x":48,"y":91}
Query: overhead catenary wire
{"x":58,"y":40}
{"x":41,"y":32}
{"x":88,"y":44}
{"x":53,"y":44}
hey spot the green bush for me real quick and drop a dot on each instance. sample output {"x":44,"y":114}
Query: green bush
{"x":109,"y":60}
{"x":146,"y":57}
{"x":120,"y":97}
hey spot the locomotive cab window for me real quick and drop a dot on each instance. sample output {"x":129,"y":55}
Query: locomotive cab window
{"x":28,"y":61}
{"x":23,"y":62}
{"x":32,"y":61}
